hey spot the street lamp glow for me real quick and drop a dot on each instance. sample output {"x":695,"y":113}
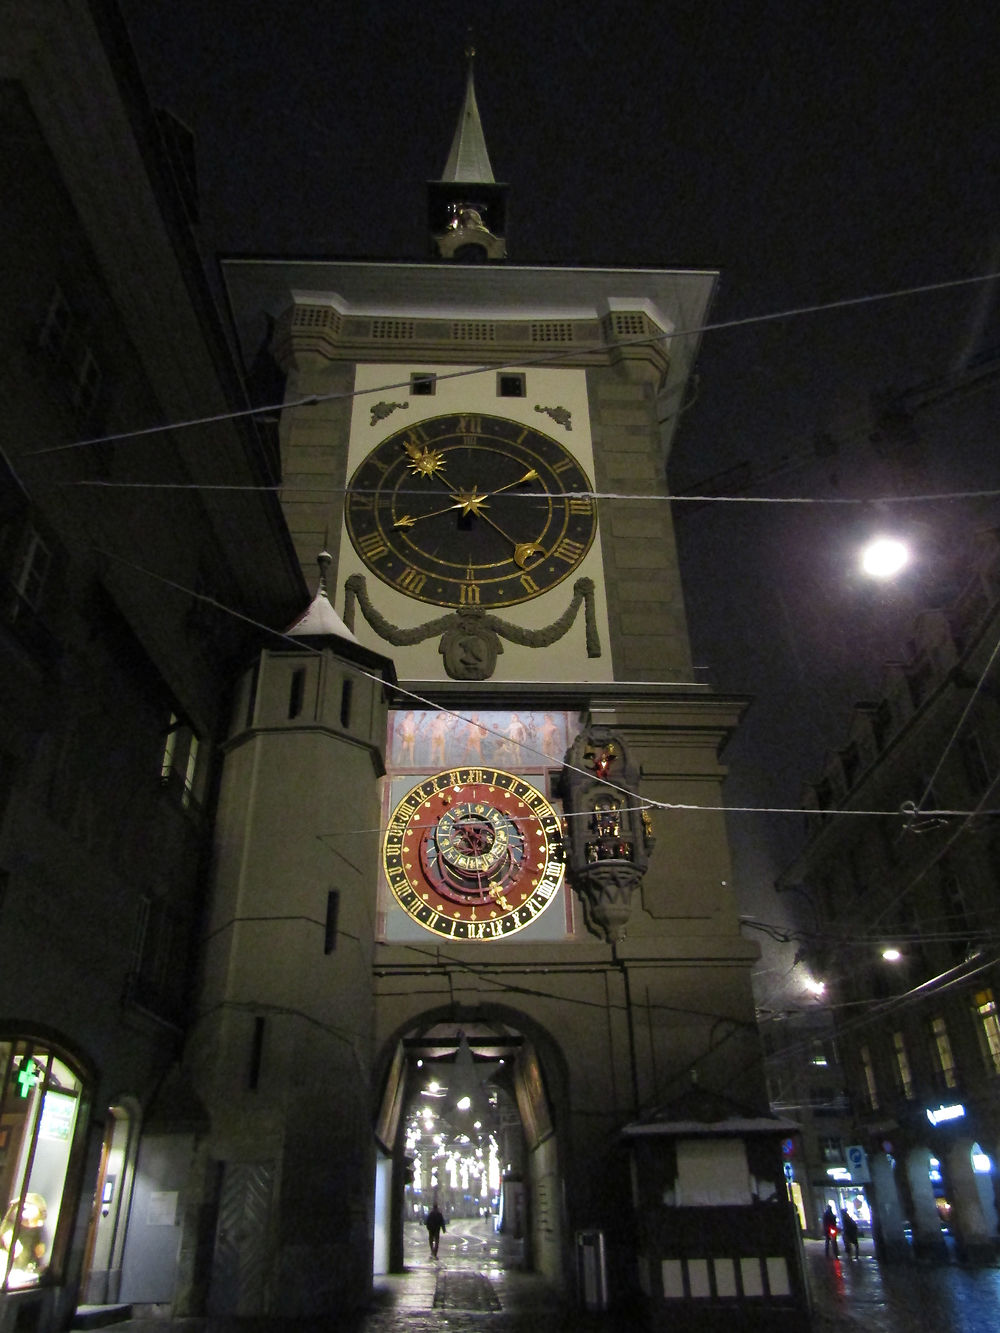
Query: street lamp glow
{"x":815,"y":987}
{"x":891,"y":955}
{"x":884,"y":557}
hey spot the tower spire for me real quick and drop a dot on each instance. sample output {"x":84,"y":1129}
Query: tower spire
{"x":466,"y":207}
{"x":468,"y":159}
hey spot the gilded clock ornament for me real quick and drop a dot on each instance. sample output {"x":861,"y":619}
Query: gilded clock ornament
{"x":471,"y":510}
{"x":473,"y":854}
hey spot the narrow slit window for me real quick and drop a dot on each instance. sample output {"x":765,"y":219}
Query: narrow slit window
{"x":296,"y":692}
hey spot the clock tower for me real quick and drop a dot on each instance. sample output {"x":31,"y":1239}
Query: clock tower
{"x":525,"y":835}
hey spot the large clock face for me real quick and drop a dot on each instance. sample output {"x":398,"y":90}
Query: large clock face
{"x":471,"y":511}
{"x":474,"y":854}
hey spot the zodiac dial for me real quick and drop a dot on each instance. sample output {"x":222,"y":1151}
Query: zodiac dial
{"x":474,"y":853}
{"x":471,"y":511}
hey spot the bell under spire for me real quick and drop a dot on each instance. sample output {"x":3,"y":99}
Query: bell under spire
{"x":466,"y":207}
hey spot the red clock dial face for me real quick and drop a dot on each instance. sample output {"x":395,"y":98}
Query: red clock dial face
{"x":474,"y":853}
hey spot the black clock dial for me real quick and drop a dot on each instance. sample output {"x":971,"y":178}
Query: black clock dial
{"x":473,"y":853}
{"x":471,"y":511}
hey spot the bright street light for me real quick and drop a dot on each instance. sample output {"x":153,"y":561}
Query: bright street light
{"x":884,"y":556}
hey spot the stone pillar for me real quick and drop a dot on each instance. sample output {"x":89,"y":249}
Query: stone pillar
{"x":887,"y":1211}
{"x":975,"y":1234}
{"x":928,"y":1242}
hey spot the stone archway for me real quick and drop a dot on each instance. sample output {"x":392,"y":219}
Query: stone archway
{"x":501,"y":1151}
{"x":973,"y":1219}
{"x":925,"y":1220}
{"x":888,"y":1217}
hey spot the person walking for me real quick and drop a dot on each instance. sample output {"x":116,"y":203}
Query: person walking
{"x":435,"y":1224}
{"x":851,"y":1236}
{"x":831,"y":1227}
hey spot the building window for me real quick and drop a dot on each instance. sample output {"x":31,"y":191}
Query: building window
{"x":941,"y":1054}
{"x":979,"y":761}
{"x":831,"y":1150}
{"x":868,"y":1070}
{"x":40,"y":1100}
{"x":989,"y":1028}
{"x":904,"y":1074}
{"x":62,"y":336}
{"x":510,"y":384}
{"x":56,"y":328}
{"x":956,"y":914}
{"x":423,"y":384}
{"x":179,"y":766}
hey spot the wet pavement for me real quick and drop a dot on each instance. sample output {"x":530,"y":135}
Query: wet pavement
{"x":476,"y":1285}
{"x":900,"y":1298}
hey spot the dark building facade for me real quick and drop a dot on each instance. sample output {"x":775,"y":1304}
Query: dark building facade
{"x":114,"y":678}
{"x":901,"y":867}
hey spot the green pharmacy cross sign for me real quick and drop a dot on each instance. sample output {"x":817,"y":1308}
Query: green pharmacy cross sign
{"x":28,"y":1077}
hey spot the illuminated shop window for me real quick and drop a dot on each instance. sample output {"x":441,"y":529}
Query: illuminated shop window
{"x":989,"y":1027}
{"x":39,"y":1103}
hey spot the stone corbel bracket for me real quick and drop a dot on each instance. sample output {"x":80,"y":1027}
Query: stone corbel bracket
{"x":470,"y":638}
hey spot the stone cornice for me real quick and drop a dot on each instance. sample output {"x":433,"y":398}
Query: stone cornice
{"x":318,"y":328}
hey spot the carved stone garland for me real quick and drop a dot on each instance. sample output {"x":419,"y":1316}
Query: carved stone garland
{"x":470,"y":638}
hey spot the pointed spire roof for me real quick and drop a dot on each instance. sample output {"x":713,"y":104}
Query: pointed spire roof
{"x":319,"y":616}
{"x":468,"y":159}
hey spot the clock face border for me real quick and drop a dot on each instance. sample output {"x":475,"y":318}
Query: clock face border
{"x":442,"y":887}
{"x":442,"y":512}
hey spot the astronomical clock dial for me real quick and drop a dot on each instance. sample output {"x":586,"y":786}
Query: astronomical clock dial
{"x":471,"y":511}
{"x":474,"y":854}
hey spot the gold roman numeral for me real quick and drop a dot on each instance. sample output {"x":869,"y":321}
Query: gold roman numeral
{"x":371,"y":546}
{"x":581,"y":505}
{"x":412,"y":580}
{"x":468,"y":594}
{"x":528,"y":584}
{"x":569,"y":551}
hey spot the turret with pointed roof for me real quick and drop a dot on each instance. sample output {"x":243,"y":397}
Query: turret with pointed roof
{"x":467,"y":207}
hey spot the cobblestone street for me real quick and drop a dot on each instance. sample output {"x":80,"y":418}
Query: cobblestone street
{"x":476,"y":1286}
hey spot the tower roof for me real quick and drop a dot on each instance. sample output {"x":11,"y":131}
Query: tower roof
{"x":319,"y":618}
{"x":468,"y":159}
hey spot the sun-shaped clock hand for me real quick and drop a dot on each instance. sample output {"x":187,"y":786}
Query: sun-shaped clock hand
{"x":424,"y":462}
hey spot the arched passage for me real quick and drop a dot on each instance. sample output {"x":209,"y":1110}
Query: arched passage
{"x":469,"y":1117}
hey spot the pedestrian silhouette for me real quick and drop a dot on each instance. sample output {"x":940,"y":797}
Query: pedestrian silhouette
{"x":435,"y":1224}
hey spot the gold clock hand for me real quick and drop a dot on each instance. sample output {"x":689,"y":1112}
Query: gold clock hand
{"x":523,"y":551}
{"x":407,"y":521}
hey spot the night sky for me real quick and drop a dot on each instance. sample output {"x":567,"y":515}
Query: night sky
{"x":812,"y":152}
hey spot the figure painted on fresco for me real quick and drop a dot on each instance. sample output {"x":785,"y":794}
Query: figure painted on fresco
{"x":406,"y":739}
{"x":474,"y":740}
{"x":550,"y":737}
{"x":440,"y":724}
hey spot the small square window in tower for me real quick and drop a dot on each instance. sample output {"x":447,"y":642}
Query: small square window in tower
{"x":510,"y":384}
{"x":423,"y":384}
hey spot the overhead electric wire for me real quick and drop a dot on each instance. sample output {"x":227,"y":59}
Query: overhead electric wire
{"x":538,"y":359}
{"x":551,"y":761}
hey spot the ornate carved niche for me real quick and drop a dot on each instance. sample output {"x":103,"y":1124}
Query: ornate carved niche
{"x":608,"y":829}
